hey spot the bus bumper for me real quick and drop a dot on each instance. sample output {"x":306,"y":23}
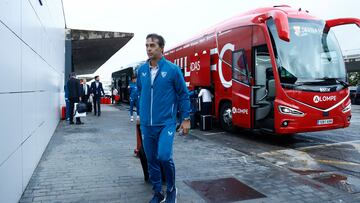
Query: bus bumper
{"x":313,"y":120}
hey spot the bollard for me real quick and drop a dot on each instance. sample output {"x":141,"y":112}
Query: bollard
{"x":63,"y":112}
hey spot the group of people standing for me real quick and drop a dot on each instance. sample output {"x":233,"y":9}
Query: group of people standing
{"x":77,"y":91}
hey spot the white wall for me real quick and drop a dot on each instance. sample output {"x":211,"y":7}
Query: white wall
{"x":32,"y":44}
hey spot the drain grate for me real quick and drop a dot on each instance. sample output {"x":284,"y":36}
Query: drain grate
{"x":346,"y":183}
{"x":224,"y":190}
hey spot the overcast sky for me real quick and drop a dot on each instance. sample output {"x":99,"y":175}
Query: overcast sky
{"x":178,"y":20}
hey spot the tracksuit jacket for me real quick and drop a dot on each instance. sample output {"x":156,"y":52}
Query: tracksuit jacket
{"x":160,"y":100}
{"x":133,"y":91}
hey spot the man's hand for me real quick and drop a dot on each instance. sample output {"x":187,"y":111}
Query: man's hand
{"x":79,"y":98}
{"x":185,"y":127}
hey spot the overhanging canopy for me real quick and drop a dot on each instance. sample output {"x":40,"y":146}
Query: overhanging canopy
{"x":91,"y":49}
{"x":352,"y":62}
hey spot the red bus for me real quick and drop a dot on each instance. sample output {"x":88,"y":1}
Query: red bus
{"x":278,"y":69}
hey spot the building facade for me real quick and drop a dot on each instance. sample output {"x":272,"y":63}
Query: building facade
{"x":32,"y":45}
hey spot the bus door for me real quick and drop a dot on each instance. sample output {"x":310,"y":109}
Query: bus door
{"x":241,"y":90}
{"x":263,"y":89}
{"x":234,"y":48}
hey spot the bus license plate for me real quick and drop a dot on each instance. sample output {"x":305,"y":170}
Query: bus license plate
{"x":325,"y":121}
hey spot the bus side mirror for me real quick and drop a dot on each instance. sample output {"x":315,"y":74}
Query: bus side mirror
{"x":281,"y":22}
{"x":272,"y":89}
{"x":342,"y":21}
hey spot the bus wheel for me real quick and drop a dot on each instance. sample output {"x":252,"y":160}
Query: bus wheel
{"x":226,"y":117}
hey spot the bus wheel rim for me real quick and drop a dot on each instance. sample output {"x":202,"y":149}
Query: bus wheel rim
{"x":227,"y":116}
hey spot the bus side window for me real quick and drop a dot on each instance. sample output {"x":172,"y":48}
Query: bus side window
{"x":263,"y":67}
{"x":240,"y":69}
{"x":264,"y":75}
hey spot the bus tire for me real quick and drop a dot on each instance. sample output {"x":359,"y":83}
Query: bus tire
{"x":226,"y":117}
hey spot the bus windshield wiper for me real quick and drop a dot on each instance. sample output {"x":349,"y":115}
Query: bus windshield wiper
{"x":343,"y":83}
{"x":290,"y":85}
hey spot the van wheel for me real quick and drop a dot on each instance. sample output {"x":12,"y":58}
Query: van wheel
{"x":226,"y":117}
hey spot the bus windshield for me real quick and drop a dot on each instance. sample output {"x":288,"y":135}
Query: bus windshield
{"x":312,"y":55}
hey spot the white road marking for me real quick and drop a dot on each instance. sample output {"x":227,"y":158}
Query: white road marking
{"x":214,"y":133}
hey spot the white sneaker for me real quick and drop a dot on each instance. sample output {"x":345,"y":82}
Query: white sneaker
{"x":132,"y":118}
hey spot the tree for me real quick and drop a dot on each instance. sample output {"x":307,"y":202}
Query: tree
{"x":354,"y":78}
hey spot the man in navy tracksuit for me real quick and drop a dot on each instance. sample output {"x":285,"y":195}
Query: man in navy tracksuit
{"x":134,"y":98}
{"x":163,"y":92}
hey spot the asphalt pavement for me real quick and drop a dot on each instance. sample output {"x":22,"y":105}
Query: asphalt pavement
{"x":94,"y":162}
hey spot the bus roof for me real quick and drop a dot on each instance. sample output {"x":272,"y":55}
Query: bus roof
{"x":247,"y":18}
{"x":132,"y":65}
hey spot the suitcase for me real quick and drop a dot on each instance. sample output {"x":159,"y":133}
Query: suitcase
{"x":143,"y":159}
{"x":142,"y":155}
{"x":81,"y":107}
{"x":192,"y":121}
{"x":205,"y":122}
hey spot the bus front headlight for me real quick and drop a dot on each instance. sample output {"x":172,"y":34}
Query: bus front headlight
{"x":347,"y":108}
{"x":290,"y":111}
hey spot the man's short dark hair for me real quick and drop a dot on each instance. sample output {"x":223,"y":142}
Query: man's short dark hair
{"x":158,"y":37}
{"x":96,"y":77}
{"x":72,"y":74}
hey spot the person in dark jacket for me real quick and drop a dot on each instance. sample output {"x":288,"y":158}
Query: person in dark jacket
{"x":85,"y":91}
{"x":97,"y":91}
{"x":163,"y":93}
{"x":74,"y":95}
{"x":67,"y":102}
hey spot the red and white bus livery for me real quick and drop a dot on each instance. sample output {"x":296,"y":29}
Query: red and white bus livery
{"x":279,"y":69}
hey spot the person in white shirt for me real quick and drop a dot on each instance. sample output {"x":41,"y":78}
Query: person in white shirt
{"x":206,"y":97}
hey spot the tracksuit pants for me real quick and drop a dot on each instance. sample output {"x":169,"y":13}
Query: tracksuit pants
{"x":158,"y":146}
{"x":134,"y":102}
